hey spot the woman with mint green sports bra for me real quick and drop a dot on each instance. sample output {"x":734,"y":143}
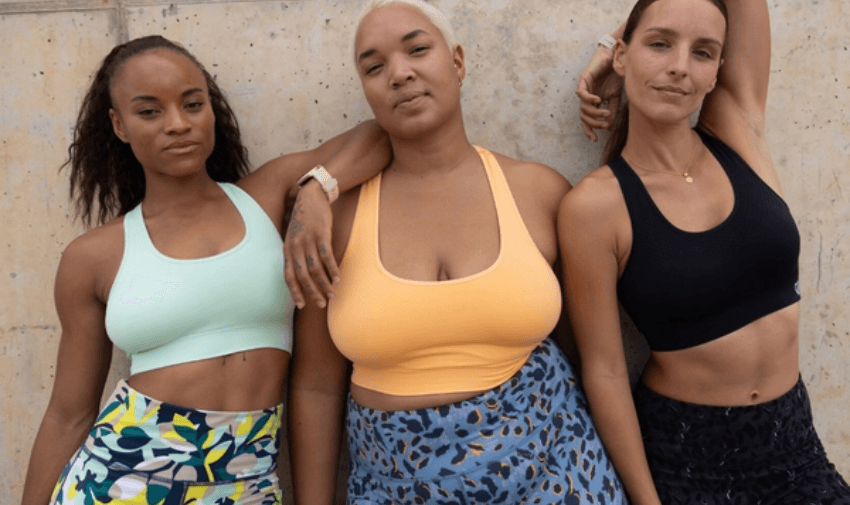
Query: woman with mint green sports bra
{"x":187,"y":279}
{"x":444,"y":310}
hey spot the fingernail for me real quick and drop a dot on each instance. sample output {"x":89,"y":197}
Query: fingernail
{"x":300,"y":305}
{"x":337,"y":280}
{"x":321,"y":304}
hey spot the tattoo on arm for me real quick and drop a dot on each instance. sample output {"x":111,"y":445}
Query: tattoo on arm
{"x":295,"y":228}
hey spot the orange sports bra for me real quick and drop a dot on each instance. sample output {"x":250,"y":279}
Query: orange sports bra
{"x":407,"y":337}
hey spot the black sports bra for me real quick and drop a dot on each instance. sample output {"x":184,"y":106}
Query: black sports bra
{"x":683,"y":289}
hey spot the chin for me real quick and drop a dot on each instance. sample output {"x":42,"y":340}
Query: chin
{"x":665,"y":114}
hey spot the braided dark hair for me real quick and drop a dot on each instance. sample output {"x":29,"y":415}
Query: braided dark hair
{"x":620,"y":128}
{"x":104,"y":168}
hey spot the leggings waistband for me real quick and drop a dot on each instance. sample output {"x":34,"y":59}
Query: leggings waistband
{"x":136,"y":433}
{"x":467,"y":435}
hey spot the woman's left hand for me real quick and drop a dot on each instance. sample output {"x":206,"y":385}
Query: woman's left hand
{"x":599,"y":90}
{"x":310,"y":267}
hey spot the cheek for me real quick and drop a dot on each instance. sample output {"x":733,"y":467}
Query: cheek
{"x":707,"y":77}
{"x":375,"y":98}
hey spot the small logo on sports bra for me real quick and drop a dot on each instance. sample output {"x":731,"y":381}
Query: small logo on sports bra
{"x":797,"y":288}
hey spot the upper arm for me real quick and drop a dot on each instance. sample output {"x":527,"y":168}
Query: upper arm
{"x":587,"y":237}
{"x":316,"y":364}
{"x":740,"y":97}
{"x":85,"y":351}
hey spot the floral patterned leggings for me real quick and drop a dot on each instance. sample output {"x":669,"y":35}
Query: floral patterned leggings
{"x":755,"y":455}
{"x":143,"y":451}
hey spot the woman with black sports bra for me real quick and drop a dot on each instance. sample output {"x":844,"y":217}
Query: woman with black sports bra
{"x":688,"y":230}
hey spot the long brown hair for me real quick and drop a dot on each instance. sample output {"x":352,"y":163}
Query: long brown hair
{"x":104,"y":168}
{"x":620,"y":126}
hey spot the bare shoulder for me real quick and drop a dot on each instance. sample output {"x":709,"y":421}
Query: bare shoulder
{"x":92,"y":259}
{"x":98,"y":243}
{"x":531,"y":181}
{"x":596,"y":203}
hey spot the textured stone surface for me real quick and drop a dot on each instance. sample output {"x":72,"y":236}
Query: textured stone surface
{"x":286,"y":67}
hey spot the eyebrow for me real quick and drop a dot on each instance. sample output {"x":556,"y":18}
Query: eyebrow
{"x":149,"y":98}
{"x":407,"y":36}
{"x":669,"y":32}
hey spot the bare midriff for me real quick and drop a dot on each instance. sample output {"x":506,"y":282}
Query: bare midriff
{"x":238,"y":382}
{"x":754,"y":364}
{"x":380,"y":401}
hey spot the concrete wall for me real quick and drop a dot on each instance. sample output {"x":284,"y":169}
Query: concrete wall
{"x":286,"y":67}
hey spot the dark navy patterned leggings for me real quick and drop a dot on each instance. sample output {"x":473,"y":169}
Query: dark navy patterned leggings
{"x":529,"y":440}
{"x":754,"y":455}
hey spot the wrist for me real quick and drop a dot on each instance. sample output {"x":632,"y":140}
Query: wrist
{"x":323,"y":179}
{"x":607,"y":42}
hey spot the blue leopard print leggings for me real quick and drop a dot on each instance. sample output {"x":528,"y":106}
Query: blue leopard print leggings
{"x":755,"y":455}
{"x":529,"y":440}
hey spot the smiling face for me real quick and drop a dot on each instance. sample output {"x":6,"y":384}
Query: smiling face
{"x":410,"y":77}
{"x":672,"y":59}
{"x":161,"y":107}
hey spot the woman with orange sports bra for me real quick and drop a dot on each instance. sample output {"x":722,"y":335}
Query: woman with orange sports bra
{"x":446,"y":299}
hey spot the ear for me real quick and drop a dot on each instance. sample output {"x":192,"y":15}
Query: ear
{"x":460,"y":64}
{"x":618,"y":64}
{"x":714,"y":82}
{"x":117,"y":126}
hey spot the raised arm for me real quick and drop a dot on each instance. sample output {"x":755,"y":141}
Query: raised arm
{"x":600,"y":88}
{"x":85,"y":353}
{"x":351,"y":158}
{"x":588,"y":240}
{"x":740,"y":97}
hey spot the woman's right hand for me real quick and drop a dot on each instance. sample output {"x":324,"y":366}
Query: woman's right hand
{"x":310,"y":268}
{"x":599,"y":89}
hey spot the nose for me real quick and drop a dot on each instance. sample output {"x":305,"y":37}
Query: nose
{"x":401,"y":72}
{"x":176,"y":121}
{"x":679,"y":61}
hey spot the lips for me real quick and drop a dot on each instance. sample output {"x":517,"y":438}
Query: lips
{"x":671,"y":90}
{"x":408,"y":98}
{"x":181,"y":147}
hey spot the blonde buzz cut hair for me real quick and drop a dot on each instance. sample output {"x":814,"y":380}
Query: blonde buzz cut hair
{"x":433,"y":14}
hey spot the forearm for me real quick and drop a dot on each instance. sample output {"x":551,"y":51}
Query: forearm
{"x":363,"y":154}
{"x":315,"y":434}
{"x":57,"y":440}
{"x":614,"y":415}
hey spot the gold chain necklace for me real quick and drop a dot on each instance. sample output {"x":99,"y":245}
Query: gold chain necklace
{"x":685,"y":174}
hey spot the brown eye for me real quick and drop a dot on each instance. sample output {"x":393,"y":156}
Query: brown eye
{"x":371,"y":69}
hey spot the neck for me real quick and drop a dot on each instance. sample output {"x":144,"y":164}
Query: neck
{"x":164,"y":193}
{"x":667,"y":147}
{"x":436,"y":152}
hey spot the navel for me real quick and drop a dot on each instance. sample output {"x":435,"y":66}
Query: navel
{"x":754,"y":396}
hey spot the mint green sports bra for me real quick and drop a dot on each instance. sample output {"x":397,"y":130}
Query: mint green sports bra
{"x":165,"y":311}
